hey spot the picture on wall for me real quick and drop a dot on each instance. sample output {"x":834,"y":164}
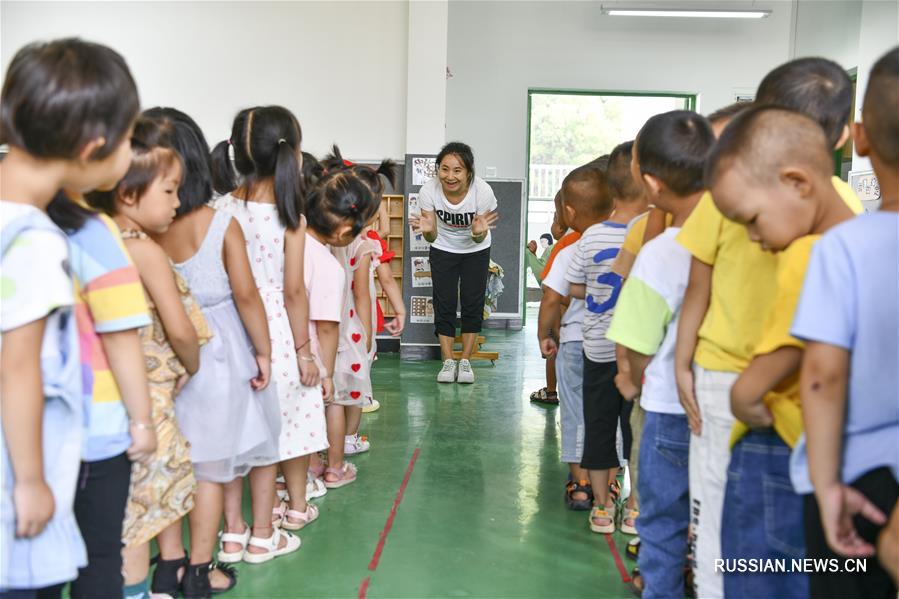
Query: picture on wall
{"x":423,"y":169}
{"x":417,"y":242}
{"x":421,"y":271}
{"x":422,"y":309}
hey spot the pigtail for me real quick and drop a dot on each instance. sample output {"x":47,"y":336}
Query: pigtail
{"x":288,"y":186}
{"x":387,"y":169}
{"x":224,"y":179}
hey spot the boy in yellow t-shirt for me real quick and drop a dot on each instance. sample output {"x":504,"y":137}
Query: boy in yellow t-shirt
{"x":771,"y":172}
{"x":730,"y":294}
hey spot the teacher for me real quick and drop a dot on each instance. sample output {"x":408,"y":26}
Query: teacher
{"x":458,"y":210}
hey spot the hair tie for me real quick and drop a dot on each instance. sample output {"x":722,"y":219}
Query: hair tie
{"x":353,"y":206}
{"x":282,"y":141}
{"x":348,"y":163}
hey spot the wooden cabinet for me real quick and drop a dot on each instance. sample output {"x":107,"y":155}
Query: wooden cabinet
{"x":395,"y":211}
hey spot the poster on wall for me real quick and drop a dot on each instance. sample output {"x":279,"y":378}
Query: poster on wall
{"x":422,"y":309}
{"x":867,"y":188}
{"x":417,"y":242}
{"x":421,"y":271}
{"x":423,"y":169}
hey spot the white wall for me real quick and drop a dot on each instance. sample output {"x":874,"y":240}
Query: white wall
{"x":497,"y":50}
{"x":426,"y":77}
{"x":340,"y":66}
{"x":830,"y":29}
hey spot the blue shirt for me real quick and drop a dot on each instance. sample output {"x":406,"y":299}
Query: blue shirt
{"x":850,"y":299}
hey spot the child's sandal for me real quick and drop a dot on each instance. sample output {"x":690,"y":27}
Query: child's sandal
{"x":602,"y":513}
{"x":241,"y":538}
{"x":272,"y":547}
{"x":305,"y":518}
{"x":165,"y":576}
{"x":315,"y":487}
{"x":629,"y":529}
{"x":278,"y":514}
{"x":578,"y":487}
{"x":632,"y":551}
{"x":346,"y":474}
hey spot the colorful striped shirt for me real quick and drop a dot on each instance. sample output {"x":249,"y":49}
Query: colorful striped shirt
{"x":108,"y":298}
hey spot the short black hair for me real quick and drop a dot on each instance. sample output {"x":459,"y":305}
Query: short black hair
{"x":673,"y":147}
{"x":59,"y":95}
{"x":338,"y":197}
{"x":547,"y":237}
{"x":601,"y":162}
{"x":762,"y":139}
{"x":266,"y":140}
{"x":880,"y":112}
{"x":463,"y":152}
{"x":619,"y":172}
{"x":816,"y":87}
{"x":186,"y":138}
{"x":726,"y":113}
{"x":594,"y":196}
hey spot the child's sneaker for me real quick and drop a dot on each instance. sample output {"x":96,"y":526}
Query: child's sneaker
{"x":353,"y":444}
{"x":370,"y":405}
{"x":447,"y":374}
{"x":466,"y":374}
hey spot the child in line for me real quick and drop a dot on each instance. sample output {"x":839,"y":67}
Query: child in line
{"x":144,"y":201}
{"x":725,"y":297}
{"x":40,"y":371}
{"x":339,"y":207}
{"x":267,"y":202}
{"x":668,"y":159}
{"x":587,"y":202}
{"x":849,"y":383}
{"x":771,"y":173}
{"x":227,"y":410}
{"x":561,"y":318}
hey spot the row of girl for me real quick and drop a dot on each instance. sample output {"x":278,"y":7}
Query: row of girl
{"x":173,"y":320}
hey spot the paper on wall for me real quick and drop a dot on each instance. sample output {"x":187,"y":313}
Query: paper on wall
{"x":423,"y":169}
{"x":422,"y":309}
{"x":421,"y":271}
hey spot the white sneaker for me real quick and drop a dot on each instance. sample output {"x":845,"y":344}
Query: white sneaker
{"x":447,"y":374}
{"x":370,"y":405}
{"x":466,"y":374}
{"x":354,"y":444}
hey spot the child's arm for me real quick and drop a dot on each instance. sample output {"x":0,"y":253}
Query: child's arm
{"x":126,"y":361}
{"x":696,"y":303}
{"x":548,"y":321}
{"x":328,"y":333}
{"x":22,"y":411}
{"x":159,"y":280}
{"x":383,"y":229}
{"x":362,"y":297}
{"x":578,"y":290}
{"x":394,"y":296}
{"x":627,"y":380}
{"x":296,"y":303}
{"x":637,"y":364}
{"x":656,"y":222}
{"x":763,"y":374}
{"x":823,"y":381}
{"x":248,"y":302}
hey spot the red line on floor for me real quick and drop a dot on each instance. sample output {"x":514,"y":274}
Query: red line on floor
{"x":620,"y":564}
{"x":363,"y":588}
{"x":373,"y":565}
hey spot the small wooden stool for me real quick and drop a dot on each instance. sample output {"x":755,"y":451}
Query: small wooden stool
{"x":477,"y":354}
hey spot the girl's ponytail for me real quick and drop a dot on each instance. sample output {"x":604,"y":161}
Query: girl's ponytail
{"x":224,"y":179}
{"x":288,"y":185}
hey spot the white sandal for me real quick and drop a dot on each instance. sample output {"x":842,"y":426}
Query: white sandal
{"x":315,"y":487}
{"x":271,"y":547}
{"x":242,"y":538}
{"x":305,"y":518}
{"x":278,"y":514}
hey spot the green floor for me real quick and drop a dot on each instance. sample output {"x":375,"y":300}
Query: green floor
{"x":482,"y":515}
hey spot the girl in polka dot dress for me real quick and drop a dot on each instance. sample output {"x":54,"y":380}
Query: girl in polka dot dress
{"x":268,"y":205}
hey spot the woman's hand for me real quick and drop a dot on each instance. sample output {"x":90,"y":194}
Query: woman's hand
{"x":483,"y":223}
{"x":425,"y":223}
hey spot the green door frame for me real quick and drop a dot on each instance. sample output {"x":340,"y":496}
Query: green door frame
{"x":691,"y":105}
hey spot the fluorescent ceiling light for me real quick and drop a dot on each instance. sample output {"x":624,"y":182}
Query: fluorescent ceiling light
{"x":687,"y":12}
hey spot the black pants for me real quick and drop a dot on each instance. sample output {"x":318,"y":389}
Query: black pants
{"x":603,"y":406}
{"x":882,"y":490}
{"x":459,"y":277}
{"x":100,"y":511}
{"x":54,"y":592}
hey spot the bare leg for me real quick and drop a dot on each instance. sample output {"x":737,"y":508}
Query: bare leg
{"x":446,"y":347}
{"x":171,"y":542}
{"x":353,"y":418}
{"x":136,"y":563}
{"x":295,"y":471}
{"x":233,"y":502}
{"x":468,"y":343}
{"x":336,"y":420}
{"x":204,"y":525}
{"x":262,"y":492}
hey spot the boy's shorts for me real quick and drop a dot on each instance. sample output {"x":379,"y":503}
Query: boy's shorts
{"x":570,"y":378}
{"x":602,"y":408}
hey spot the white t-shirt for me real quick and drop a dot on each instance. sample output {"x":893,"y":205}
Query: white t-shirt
{"x":591,"y":265}
{"x":454,"y":220}
{"x":647,"y":315}
{"x":573,"y":318}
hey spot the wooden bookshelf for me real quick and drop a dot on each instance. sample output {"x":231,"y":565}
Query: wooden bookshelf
{"x":395,"y":211}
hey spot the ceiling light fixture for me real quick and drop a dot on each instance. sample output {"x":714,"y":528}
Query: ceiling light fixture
{"x":687,"y":13}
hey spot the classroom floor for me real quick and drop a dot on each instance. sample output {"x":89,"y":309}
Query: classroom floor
{"x":460,"y":496}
